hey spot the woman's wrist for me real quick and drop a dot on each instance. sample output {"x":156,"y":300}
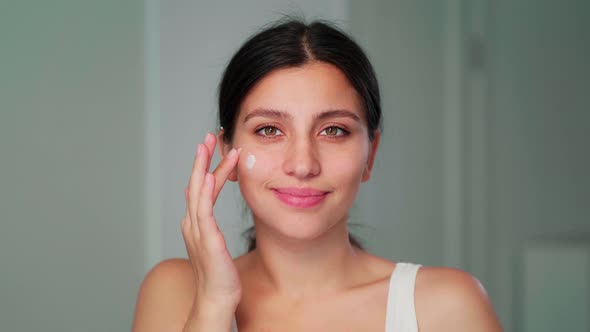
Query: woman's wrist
{"x":212,"y":311}
{"x":210,"y":316}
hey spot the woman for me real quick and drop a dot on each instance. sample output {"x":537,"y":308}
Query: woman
{"x":299,"y":111}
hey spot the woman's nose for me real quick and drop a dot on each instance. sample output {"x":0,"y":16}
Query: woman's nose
{"x":302,"y":160}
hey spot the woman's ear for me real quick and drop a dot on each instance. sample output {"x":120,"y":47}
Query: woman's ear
{"x":224,"y":149}
{"x":371,"y":158}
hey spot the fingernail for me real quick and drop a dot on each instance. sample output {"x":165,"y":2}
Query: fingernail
{"x":232,"y":153}
{"x":198,"y":149}
{"x":207,"y":137}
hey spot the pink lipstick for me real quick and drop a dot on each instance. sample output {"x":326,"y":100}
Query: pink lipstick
{"x":300,"y":197}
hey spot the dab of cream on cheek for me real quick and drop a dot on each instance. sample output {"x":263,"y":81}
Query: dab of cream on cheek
{"x":250,"y":161}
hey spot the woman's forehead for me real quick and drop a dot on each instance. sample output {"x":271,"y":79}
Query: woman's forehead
{"x":308,"y":89}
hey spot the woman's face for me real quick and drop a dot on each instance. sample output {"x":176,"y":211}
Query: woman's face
{"x":305,"y":149}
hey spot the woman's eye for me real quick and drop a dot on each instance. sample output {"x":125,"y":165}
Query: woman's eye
{"x":269,"y":131}
{"x":334,"y":131}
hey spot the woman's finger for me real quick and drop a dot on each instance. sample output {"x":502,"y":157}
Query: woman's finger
{"x":187,"y":202}
{"x":186,"y":226}
{"x":210,"y":144}
{"x":205,"y":219}
{"x":223,"y":170}
{"x":187,"y":215}
{"x":196,"y":182}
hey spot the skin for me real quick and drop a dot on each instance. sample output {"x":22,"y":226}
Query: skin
{"x":304,"y":274}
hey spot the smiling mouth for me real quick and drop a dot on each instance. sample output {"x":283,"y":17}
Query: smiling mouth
{"x":301,"y":198}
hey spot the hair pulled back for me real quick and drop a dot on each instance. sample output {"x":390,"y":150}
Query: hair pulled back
{"x":293,"y":43}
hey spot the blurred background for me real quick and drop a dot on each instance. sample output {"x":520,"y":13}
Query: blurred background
{"x":483,"y":165}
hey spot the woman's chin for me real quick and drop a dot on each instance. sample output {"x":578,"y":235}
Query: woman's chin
{"x":296,"y":227}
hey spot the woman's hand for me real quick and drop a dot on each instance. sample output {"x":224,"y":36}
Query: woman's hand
{"x":216,"y":277}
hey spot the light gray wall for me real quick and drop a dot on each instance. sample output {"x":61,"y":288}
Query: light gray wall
{"x":403,"y":204}
{"x":539,"y":163}
{"x":71,"y":146}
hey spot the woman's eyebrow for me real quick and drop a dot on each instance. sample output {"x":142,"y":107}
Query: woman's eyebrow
{"x":276,"y":114}
{"x":267,"y":113}
{"x":337,"y":114}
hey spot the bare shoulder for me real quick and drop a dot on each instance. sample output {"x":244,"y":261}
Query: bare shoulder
{"x":449,"y":299}
{"x":165,"y":297}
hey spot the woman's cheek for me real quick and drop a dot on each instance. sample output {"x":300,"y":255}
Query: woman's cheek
{"x":345,"y":164}
{"x":255,"y":171}
{"x":346,"y":177}
{"x":255,"y":165}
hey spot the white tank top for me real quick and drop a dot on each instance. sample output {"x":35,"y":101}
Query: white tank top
{"x":401,"y":312}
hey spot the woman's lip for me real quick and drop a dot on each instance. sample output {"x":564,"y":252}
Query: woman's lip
{"x":294,"y":191}
{"x":300,"y":197}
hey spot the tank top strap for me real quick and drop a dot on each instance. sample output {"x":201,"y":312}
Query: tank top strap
{"x":401,"y":312}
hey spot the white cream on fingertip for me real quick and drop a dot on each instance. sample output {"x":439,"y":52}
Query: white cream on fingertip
{"x":250,"y":161}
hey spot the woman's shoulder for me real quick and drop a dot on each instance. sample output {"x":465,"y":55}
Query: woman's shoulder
{"x":165,"y":296}
{"x":175,"y":276}
{"x":170,"y":272}
{"x":451,"y":299}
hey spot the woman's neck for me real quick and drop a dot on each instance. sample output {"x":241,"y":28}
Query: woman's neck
{"x":304,"y":269}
